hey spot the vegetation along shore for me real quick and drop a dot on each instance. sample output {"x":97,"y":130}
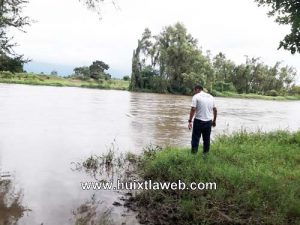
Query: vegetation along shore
{"x":247,"y":178}
{"x":54,"y":80}
{"x":172,"y":62}
{"x":115,"y":84}
{"x":257,"y":177}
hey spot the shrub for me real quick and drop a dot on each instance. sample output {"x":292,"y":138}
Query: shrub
{"x":272,"y":93}
{"x":295,"y":90}
{"x":126,"y":78}
{"x":223,"y":86}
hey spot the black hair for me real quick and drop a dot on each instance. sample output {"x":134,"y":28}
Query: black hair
{"x":198,"y":87}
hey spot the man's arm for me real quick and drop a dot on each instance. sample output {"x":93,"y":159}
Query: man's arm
{"x":192,"y":113}
{"x":215,"y":116}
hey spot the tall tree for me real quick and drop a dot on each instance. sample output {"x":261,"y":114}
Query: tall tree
{"x":97,"y":69}
{"x":82,"y":72}
{"x":223,"y":67}
{"x":170,"y":61}
{"x":178,"y":52}
{"x":286,"y":12}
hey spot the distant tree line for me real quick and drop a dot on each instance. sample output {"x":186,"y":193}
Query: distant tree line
{"x":172,"y":62}
{"x":95,"y":71}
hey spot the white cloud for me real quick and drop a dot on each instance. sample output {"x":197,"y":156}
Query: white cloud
{"x":67,"y":33}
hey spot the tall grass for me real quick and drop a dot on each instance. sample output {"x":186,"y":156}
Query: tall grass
{"x":257,"y":176}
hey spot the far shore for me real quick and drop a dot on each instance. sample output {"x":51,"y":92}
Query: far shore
{"x":114,"y":84}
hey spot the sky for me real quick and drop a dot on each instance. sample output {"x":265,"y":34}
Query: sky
{"x":66,"y":34}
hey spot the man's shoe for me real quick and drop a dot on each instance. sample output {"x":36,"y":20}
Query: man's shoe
{"x":194,"y":150}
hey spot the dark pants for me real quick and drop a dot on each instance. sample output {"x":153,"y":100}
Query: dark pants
{"x":201,"y":128}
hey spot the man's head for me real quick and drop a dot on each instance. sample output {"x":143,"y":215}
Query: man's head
{"x":198,"y":88}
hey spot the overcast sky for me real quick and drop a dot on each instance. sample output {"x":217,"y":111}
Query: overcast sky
{"x":66,"y":34}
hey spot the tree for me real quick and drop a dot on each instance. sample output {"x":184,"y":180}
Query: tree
{"x":14,"y":65}
{"x":53,"y":72}
{"x":97,"y":70}
{"x":170,"y":61}
{"x":178,"y":55}
{"x":286,"y":12}
{"x":82,"y":72}
{"x":223,"y":67}
{"x":126,"y":78}
{"x":139,"y":59}
{"x":11,"y":17}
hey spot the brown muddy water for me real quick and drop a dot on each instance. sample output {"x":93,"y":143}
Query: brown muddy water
{"x":44,"y":129}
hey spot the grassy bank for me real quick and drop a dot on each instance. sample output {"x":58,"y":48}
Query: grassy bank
{"x":256,"y":96}
{"x":257,"y":177}
{"x":50,"y":80}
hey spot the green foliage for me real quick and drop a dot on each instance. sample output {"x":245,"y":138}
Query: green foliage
{"x":286,"y":12}
{"x":95,"y":71}
{"x":172,"y":56}
{"x":82,"y":72}
{"x":53,"y":80}
{"x":272,"y":93}
{"x":223,"y":86}
{"x":14,"y":65}
{"x":295,"y":90}
{"x":257,"y":177}
{"x":10,"y":17}
{"x":173,"y":61}
{"x":126,"y":78}
{"x":224,"y":68}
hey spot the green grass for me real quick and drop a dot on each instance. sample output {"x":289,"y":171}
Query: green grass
{"x":257,"y":176}
{"x":256,"y":96}
{"x":50,"y":80}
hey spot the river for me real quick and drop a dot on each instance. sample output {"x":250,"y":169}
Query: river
{"x":44,"y":129}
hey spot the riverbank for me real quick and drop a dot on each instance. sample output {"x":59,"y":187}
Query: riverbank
{"x":256,"y":96}
{"x":116,"y":84}
{"x":257,"y":177}
{"x":51,"y":80}
{"x":237,"y":95}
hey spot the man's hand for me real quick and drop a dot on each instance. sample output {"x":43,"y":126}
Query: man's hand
{"x":192,"y":113}
{"x":214,"y":123}
{"x":215,"y":116}
{"x":190,"y":126}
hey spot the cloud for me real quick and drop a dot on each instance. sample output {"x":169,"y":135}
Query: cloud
{"x":68,"y":34}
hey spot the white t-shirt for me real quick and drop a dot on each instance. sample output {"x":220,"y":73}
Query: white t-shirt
{"x":204,"y":104}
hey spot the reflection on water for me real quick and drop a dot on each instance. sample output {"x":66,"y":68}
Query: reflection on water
{"x":91,"y":213}
{"x":44,"y":129}
{"x":11,"y":209}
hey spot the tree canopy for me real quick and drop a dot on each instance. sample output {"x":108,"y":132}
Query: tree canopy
{"x":286,"y":12}
{"x":95,"y":71}
{"x":172,"y":62}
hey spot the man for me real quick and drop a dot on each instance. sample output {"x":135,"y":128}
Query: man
{"x":205,"y":112}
